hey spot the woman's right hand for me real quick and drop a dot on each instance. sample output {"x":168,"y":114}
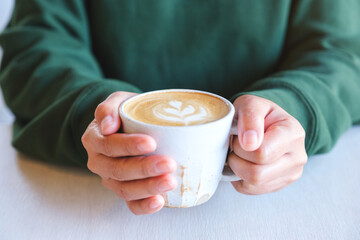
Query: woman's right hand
{"x":118,"y":158}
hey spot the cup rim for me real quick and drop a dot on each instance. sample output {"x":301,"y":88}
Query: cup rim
{"x":226,"y":101}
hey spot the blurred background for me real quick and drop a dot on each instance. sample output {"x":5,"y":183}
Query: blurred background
{"x":6,"y":7}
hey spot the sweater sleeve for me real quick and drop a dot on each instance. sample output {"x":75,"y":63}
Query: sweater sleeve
{"x":50,"y":79}
{"x":318,"y":79}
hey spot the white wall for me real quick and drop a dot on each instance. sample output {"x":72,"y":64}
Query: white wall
{"x":5,"y":13}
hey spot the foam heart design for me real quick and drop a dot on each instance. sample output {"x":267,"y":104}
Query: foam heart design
{"x":174,"y":112}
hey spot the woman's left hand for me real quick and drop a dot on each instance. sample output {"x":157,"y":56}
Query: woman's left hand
{"x":269,"y":151}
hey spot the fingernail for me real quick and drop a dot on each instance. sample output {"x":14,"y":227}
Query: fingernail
{"x":165,"y":185}
{"x":154,"y":204}
{"x":162,"y":167}
{"x":250,"y":137}
{"x":106,"y":122}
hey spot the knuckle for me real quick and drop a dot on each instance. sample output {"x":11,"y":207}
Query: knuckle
{"x":93,"y":165}
{"x":247,"y":102}
{"x":122,"y":192}
{"x":299,"y":130}
{"x":130,"y":148}
{"x":277,"y":128}
{"x":90,"y":139}
{"x":249,"y":114}
{"x":118,"y":93}
{"x":296,"y":176}
{"x":248,"y":99}
{"x":103,"y":109}
{"x":304,"y":159}
{"x":151,"y":187}
{"x":117,"y":171}
{"x":85,"y":139}
{"x":86,"y":142}
{"x":301,"y":159}
{"x":104,"y":143}
{"x":300,"y":134}
{"x":262,"y":155}
{"x":256,"y":176}
{"x":145,"y":168}
{"x":90,"y":165}
{"x":255,"y":179}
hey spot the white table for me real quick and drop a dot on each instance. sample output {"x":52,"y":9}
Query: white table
{"x":6,"y":117}
{"x":39,"y":201}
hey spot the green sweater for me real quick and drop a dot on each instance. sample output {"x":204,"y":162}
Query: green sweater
{"x":63,"y":57}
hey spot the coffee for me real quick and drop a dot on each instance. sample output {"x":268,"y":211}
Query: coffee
{"x":176,"y":108}
{"x":199,"y":150}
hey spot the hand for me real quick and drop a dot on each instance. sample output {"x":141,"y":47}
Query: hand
{"x":269,"y":152}
{"x":118,"y":159}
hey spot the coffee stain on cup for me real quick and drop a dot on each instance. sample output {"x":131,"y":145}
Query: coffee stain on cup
{"x":184,"y":206}
{"x":185,"y":185}
{"x":182,"y":167}
{"x":198,"y":189}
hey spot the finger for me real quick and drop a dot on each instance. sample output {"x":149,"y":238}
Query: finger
{"x":116,"y":145}
{"x":252,"y":111}
{"x":273,"y":186}
{"x":139,"y":189}
{"x":257,"y":175}
{"x":146,"y":206}
{"x":279,"y":139}
{"x":131,"y":168}
{"x":106,"y":113}
{"x":121,"y":144}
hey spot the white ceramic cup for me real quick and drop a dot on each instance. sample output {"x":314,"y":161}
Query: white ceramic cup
{"x":199,"y":150}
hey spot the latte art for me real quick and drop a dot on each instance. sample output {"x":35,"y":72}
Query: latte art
{"x":176,"y":108}
{"x":174,"y":111}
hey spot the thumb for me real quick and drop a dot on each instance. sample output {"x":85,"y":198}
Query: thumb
{"x":252,"y":111}
{"x":106,"y":113}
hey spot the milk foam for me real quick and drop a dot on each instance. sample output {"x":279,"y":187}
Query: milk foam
{"x":174,"y":111}
{"x":176,"y":108}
